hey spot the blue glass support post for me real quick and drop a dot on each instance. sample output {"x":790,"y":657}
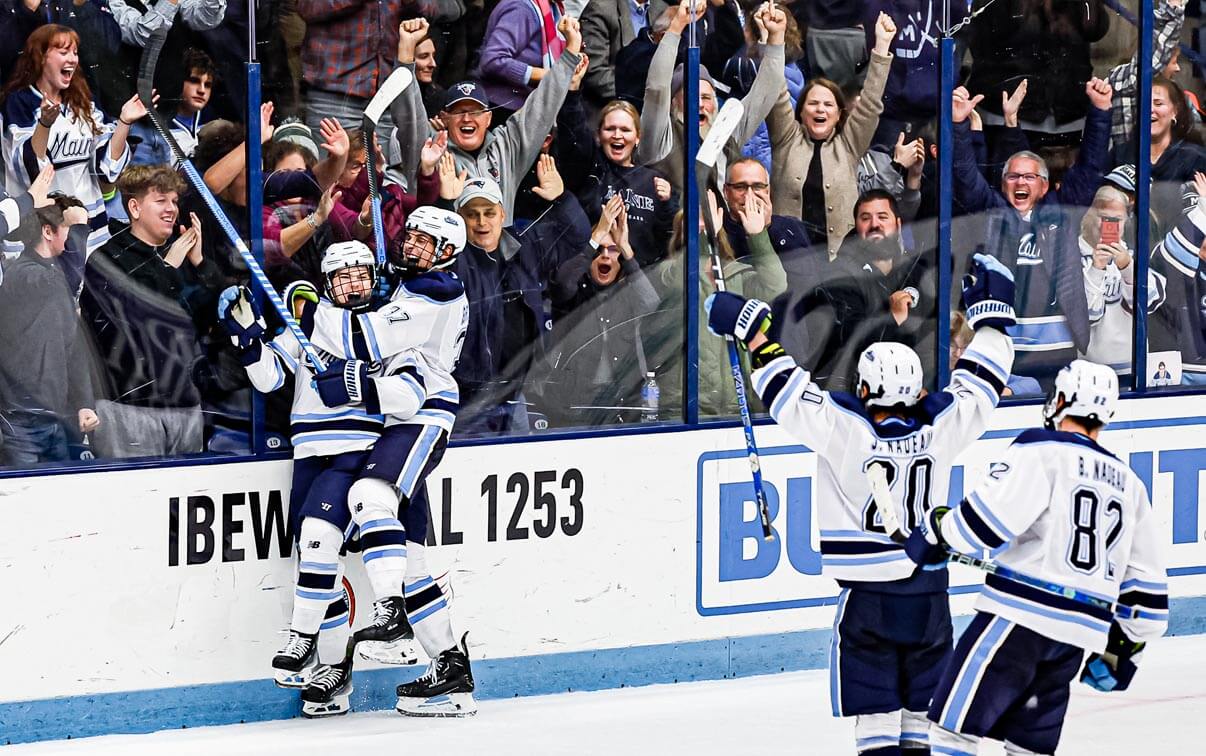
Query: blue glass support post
{"x":1143,"y":162}
{"x":946,"y":161}
{"x":691,"y":218}
{"x":255,"y":203}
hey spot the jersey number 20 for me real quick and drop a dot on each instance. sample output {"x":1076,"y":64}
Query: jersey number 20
{"x":916,"y":497}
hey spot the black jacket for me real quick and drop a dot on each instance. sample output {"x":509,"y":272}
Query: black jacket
{"x":47,"y":367}
{"x":143,"y":315}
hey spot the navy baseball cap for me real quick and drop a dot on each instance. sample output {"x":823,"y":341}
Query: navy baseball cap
{"x":466,"y":90}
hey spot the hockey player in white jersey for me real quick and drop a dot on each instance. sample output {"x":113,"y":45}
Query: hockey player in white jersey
{"x":893,"y":627}
{"x":426,"y":316}
{"x":330,"y":448}
{"x":1060,"y":508}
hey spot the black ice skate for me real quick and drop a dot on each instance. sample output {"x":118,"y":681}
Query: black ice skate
{"x":444,"y":690}
{"x":293,"y":664}
{"x":389,"y":623}
{"x":329,"y":691}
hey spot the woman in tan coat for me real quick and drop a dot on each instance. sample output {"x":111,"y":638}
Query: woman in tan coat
{"x":821,"y":186}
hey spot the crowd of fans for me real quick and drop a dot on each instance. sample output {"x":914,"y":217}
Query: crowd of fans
{"x":556,"y":129}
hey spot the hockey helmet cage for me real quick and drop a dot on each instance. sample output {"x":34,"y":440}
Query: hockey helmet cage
{"x":1084,"y":390}
{"x":343,"y":255}
{"x":891,"y":373}
{"x":446,"y":230}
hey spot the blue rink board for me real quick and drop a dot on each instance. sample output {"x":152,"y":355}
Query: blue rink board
{"x":257,"y":700}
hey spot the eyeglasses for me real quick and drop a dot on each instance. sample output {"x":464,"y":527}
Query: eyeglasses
{"x":1029,"y":178}
{"x":467,"y":114}
{"x":757,"y":187}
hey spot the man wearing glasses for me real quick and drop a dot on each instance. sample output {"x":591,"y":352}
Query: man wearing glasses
{"x":1028,"y":229}
{"x":787,"y":234}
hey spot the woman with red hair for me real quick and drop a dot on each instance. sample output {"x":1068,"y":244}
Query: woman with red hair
{"x":51,"y":118}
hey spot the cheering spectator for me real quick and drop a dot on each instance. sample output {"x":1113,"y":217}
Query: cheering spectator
{"x":601,"y":302}
{"x":503,"y":154}
{"x":1035,"y":237}
{"x":662,"y":117}
{"x":45,"y":374}
{"x":801,"y":261}
{"x":758,"y":276}
{"x":911,"y":92}
{"x":815,"y":150}
{"x":1176,"y":156}
{"x":348,"y":53}
{"x":425,"y":68}
{"x":99,"y":34}
{"x":300,"y":193}
{"x":605,"y":167}
{"x":143,"y":300}
{"x":198,"y":87}
{"x":509,"y":281}
{"x":607,"y":27}
{"x":1110,"y":280}
{"x":1124,"y":78}
{"x":874,"y":290}
{"x":50,"y":118}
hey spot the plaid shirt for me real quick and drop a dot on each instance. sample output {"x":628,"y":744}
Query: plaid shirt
{"x":1125,"y":78}
{"x":351,"y":45}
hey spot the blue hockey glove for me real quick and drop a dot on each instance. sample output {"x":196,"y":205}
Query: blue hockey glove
{"x":988,"y":294}
{"x":347,"y":382}
{"x":241,"y":317}
{"x":1114,"y":669}
{"x":732,"y":315}
{"x":925,"y":545}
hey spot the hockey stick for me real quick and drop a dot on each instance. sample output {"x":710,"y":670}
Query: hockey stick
{"x":146,"y":78}
{"x":393,"y":86}
{"x":720,"y":133}
{"x":878,"y":478}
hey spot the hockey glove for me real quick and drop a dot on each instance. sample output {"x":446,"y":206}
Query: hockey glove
{"x":299,"y":297}
{"x":1114,"y":669}
{"x":925,"y":545}
{"x":241,"y":317}
{"x":347,"y":382}
{"x":732,"y":315}
{"x":988,"y":294}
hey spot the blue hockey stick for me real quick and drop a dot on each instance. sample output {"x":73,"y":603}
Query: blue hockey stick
{"x":887,"y":512}
{"x":705,"y":162}
{"x":146,"y":78}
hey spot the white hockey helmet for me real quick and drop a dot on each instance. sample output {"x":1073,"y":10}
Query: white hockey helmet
{"x":1084,"y":390}
{"x":891,"y":373}
{"x":446,"y":229}
{"x":349,"y":292}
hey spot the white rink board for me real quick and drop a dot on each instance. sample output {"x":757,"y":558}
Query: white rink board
{"x":638,"y":565}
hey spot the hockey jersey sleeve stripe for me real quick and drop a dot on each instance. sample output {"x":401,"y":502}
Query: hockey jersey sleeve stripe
{"x":847,"y":561}
{"x":989,"y":390}
{"x":966,"y":542}
{"x":284,"y":355}
{"x":859,"y":534}
{"x":983,"y":533}
{"x":781,"y":398}
{"x":856,"y":547}
{"x":985,"y":374}
{"x":978,"y":357}
{"x":769,"y":381}
{"x":985,"y":512}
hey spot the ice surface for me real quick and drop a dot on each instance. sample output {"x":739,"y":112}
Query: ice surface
{"x":1163,"y":713}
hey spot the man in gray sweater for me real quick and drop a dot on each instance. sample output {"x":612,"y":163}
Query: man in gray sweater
{"x":504,"y":154}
